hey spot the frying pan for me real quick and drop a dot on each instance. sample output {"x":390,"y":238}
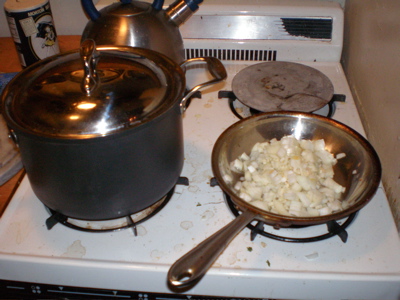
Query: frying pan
{"x":359,"y":172}
{"x":282,"y":86}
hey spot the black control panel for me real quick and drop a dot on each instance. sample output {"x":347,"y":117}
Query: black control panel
{"x":26,"y":290}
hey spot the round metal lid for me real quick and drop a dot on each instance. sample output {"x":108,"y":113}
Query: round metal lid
{"x":277,"y":86}
{"x":94,"y":92}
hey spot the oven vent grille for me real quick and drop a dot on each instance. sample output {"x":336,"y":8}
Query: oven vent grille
{"x":233,"y":54}
{"x":314,"y":28}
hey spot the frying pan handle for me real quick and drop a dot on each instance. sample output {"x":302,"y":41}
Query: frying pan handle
{"x":191,"y":267}
{"x":216,"y":69}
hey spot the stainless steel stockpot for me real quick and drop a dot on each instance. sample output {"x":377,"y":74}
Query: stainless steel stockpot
{"x":100,"y":128}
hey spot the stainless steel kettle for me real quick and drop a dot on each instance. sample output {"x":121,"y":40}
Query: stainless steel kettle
{"x":140,"y":24}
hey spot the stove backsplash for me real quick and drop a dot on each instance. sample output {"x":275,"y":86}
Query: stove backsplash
{"x":294,"y":30}
{"x":320,"y":41}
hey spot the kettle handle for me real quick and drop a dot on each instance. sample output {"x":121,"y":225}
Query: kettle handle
{"x":158,"y":4}
{"x":93,"y":13}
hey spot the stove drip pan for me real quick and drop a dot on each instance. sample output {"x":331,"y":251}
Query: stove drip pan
{"x":242,"y":111}
{"x":116,"y":224}
{"x":333,"y":228}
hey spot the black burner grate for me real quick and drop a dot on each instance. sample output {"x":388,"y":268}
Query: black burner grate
{"x":333,"y":227}
{"x":125,"y":222}
{"x":245,"y":111}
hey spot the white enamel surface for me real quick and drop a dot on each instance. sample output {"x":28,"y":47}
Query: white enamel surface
{"x":366,"y":267}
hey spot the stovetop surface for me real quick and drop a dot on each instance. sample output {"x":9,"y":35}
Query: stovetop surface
{"x":122,"y":260}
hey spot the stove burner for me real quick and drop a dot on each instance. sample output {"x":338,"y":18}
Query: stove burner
{"x":333,"y":228}
{"x":196,"y":95}
{"x":243,"y":111}
{"x":282,"y":85}
{"x":116,"y":224}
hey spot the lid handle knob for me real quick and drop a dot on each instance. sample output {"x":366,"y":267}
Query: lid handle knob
{"x":89,"y":56}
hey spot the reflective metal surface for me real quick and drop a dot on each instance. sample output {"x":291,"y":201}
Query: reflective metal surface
{"x":93,"y":94}
{"x":359,"y":172}
{"x":250,"y":26}
{"x":282,"y":86}
{"x":139,"y":24}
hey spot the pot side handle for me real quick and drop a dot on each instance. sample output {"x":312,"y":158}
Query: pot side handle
{"x":191,"y":267}
{"x":216,"y":69}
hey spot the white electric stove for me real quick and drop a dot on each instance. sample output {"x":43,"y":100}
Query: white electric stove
{"x":62,"y":262}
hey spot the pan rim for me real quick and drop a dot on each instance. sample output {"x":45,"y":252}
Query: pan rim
{"x":283,"y":220}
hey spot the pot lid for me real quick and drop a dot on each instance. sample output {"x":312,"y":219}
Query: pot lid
{"x":93,"y":92}
{"x":277,"y":86}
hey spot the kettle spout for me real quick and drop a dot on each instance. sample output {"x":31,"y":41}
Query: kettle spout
{"x":181,"y":10}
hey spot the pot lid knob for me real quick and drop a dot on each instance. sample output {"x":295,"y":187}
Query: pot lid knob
{"x":89,"y":56}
